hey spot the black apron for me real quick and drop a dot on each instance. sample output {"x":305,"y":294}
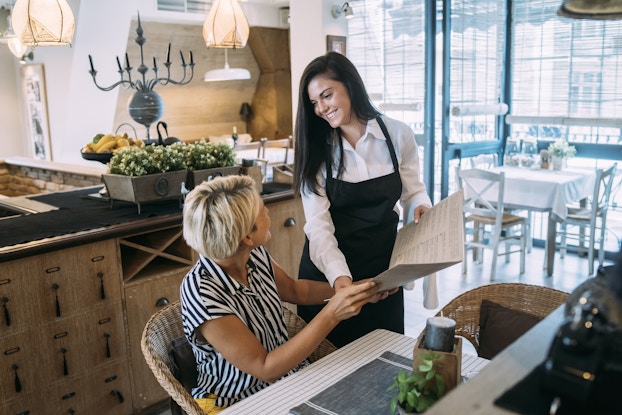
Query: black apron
{"x":365,"y":228}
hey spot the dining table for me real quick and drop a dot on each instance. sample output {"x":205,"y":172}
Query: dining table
{"x":549,"y":191}
{"x":327,"y":381}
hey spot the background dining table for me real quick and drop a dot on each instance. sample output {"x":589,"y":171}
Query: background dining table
{"x":544,"y":190}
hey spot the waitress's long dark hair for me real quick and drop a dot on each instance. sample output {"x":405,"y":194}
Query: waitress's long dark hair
{"x":313,"y":135}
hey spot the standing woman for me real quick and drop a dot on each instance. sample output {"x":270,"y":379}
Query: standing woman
{"x":352,"y":166}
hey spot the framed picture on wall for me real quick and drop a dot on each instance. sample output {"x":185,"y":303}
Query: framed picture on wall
{"x":336,"y":44}
{"x":35,"y":101}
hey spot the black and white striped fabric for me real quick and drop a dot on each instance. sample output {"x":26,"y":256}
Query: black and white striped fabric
{"x":207,"y":293}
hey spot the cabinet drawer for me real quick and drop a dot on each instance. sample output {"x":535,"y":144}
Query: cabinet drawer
{"x":19,"y":301}
{"x":288,"y":237}
{"x":20,"y":370}
{"x":103,"y":335}
{"x":142,"y":301}
{"x":77,"y":279}
{"x":27,"y":404}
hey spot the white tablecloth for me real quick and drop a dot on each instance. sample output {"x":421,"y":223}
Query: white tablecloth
{"x":546,"y":190}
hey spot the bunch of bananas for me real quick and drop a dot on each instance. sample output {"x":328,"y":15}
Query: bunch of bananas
{"x":107,"y":143}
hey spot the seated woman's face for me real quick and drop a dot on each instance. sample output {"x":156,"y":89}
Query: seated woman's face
{"x":330,"y":100}
{"x":261,"y":233}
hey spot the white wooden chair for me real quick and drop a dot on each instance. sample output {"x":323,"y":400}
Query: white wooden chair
{"x":486,"y":226}
{"x":590,"y":222}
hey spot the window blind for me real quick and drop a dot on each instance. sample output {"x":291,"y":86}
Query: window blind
{"x":385,"y":42}
{"x":565,"y":68}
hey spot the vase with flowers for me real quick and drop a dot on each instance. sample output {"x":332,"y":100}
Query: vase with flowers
{"x":560,"y":151}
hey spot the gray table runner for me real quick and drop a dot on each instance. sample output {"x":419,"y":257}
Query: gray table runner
{"x":363,"y":392}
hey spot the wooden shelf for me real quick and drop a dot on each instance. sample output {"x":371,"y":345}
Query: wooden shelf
{"x":154,"y":253}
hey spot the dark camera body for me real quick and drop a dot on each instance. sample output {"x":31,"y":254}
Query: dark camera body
{"x":584,"y":363}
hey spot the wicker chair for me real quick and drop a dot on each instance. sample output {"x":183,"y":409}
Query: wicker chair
{"x":535,"y":300}
{"x":166,"y":325}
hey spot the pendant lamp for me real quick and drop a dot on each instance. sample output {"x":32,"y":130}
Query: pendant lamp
{"x":43,"y":22}
{"x":591,"y":9}
{"x":227,"y":73}
{"x":16,"y":46}
{"x":226,"y":27}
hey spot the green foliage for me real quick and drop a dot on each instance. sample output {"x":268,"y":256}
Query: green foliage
{"x":561,"y":148}
{"x":204,"y":155}
{"x":420,"y":389}
{"x":149,"y":159}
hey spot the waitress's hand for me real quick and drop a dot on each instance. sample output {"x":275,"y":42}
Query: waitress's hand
{"x":419,"y":211}
{"x":383,"y":295}
{"x":347,"y":302}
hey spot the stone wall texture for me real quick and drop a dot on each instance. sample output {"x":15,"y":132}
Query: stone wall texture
{"x":22,"y":181}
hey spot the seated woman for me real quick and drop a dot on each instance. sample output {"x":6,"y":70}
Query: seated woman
{"x":232,"y":298}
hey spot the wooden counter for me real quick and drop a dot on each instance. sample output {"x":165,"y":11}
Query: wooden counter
{"x":76,"y":305}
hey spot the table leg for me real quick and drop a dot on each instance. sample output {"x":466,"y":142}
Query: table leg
{"x":550,"y":245}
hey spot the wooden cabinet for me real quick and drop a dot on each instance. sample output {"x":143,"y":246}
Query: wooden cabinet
{"x":154,"y":264}
{"x":62,"y":321}
{"x":71,"y":320}
{"x":143,"y":300}
{"x":288,"y":236}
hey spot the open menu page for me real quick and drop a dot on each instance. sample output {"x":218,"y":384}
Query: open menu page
{"x":435,"y":243}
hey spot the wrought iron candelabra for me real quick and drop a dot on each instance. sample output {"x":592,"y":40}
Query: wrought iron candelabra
{"x":146,"y":106}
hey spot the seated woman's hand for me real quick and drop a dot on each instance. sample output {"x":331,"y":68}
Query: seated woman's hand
{"x":383,"y":294}
{"x":347,"y":301}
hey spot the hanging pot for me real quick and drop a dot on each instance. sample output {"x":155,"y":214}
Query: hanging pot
{"x":168,"y":140}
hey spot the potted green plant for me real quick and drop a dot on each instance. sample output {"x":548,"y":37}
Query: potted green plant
{"x":142,"y":174}
{"x":420,"y":389}
{"x":560,"y":151}
{"x":204,"y":160}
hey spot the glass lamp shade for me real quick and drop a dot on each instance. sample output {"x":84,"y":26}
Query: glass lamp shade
{"x":591,"y":9}
{"x":43,"y":22}
{"x":16,"y":47}
{"x":226,"y":25}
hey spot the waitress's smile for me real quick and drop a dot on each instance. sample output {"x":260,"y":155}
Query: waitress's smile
{"x":330,"y":100}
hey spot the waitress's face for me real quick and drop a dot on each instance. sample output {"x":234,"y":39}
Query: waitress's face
{"x":330,"y":100}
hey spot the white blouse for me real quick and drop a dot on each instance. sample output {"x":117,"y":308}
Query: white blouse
{"x":370,"y":159}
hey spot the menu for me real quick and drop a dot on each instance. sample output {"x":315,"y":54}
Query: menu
{"x":435,"y":243}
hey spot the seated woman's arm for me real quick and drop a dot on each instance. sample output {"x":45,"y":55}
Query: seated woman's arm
{"x":238,"y":345}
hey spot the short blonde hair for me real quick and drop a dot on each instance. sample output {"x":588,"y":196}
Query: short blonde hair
{"x":219,"y":213}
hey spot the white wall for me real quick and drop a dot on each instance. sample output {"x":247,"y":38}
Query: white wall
{"x":310,"y":23}
{"x":78,"y":110}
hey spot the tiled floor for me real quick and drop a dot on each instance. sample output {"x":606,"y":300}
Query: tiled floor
{"x":569,"y":273}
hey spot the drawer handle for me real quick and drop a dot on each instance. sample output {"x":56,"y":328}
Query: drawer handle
{"x":162,"y":302}
{"x":17,"y":382}
{"x":289,"y":222}
{"x":11,"y":351}
{"x":7,"y":315}
{"x":65,"y":366}
{"x":102,"y":291}
{"x":107,"y":337}
{"x":68,"y":396}
{"x":118,"y":394}
{"x":55,"y":287}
